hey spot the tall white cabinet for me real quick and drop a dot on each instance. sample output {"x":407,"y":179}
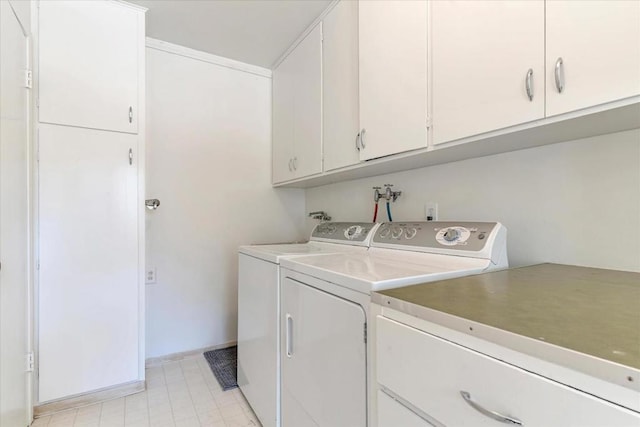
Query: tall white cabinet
{"x":90,"y":213}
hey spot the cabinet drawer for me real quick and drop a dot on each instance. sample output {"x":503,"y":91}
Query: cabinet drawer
{"x":431,"y":373}
{"x":393,"y":414}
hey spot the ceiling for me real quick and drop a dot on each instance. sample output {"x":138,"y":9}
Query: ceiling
{"x":253,"y":31}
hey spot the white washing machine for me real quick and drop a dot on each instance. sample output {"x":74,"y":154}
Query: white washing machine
{"x":327,"y":378}
{"x":259,"y":308}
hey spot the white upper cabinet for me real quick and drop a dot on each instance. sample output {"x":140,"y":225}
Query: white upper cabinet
{"x":340,"y":114}
{"x":487,"y":65}
{"x":592,"y":53}
{"x":297,"y":111}
{"x":88,"y":64}
{"x":393,"y":76}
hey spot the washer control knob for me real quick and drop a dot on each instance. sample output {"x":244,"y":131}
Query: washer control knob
{"x":353,"y":232}
{"x":410,"y":233}
{"x":396,"y":232}
{"x":451,"y":234}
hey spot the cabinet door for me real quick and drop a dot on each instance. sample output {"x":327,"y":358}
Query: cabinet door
{"x":340,"y":114}
{"x":481,"y":54}
{"x":88,"y":278}
{"x":307,"y":123}
{"x":282,"y":121}
{"x":598,"y":42}
{"x":88,"y":64}
{"x":323,"y":359}
{"x":393,"y":76}
{"x":297,"y":109}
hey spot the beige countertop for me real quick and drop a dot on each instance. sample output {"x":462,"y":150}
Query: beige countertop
{"x":591,"y":311}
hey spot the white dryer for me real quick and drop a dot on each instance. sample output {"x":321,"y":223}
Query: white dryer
{"x":327,"y":378}
{"x":259,"y":308}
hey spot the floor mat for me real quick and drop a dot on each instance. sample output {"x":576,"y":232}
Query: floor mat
{"x":224,"y":365}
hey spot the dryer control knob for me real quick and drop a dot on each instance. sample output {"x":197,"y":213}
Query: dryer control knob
{"x":410,"y":233}
{"x":396,"y":232}
{"x":451,"y":234}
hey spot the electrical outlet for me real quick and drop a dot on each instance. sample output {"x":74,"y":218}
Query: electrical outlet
{"x":150,"y":276}
{"x":431,"y":211}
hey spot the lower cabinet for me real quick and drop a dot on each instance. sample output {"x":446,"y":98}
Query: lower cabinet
{"x":89,"y":290}
{"x":458,"y":386}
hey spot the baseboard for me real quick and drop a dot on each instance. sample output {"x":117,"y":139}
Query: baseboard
{"x":87,"y":399}
{"x":173,"y":357}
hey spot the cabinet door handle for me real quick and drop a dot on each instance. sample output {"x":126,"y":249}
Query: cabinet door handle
{"x":491,"y":414}
{"x":357,"y":142}
{"x":289,"y":342}
{"x":529,"y":84}
{"x":130,"y":114}
{"x":559,"y":74}
{"x":290,"y":167}
{"x":295,"y":163}
{"x":362,"y":144}
{"x":130,"y":156}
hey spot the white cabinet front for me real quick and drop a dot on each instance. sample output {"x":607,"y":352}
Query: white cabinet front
{"x":88,"y":64}
{"x":393,"y":76}
{"x":297,"y":111}
{"x":340,"y":114}
{"x":458,"y":386}
{"x":323,"y":356}
{"x":592,"y":53}
{"x":88,"y":278}
{"x":488,"y":65}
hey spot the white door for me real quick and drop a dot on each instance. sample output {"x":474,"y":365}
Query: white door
{"x":598,"y":42}
{"x":393,"y":76}
{"x":283,"y":116}
{"x":481,"y":54}
{"x":340,"y":103}
{"x":88,"y":55}
{"x":323,"y":355}
{"x":258,"y":337}
{"x":88,"y":277}
{"x":307,"y":123}
{"x":14,"y":217}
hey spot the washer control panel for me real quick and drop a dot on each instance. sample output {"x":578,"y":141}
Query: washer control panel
{"x":468,"y":236}
{"x":342,"y":231}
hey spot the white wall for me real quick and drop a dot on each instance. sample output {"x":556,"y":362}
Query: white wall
{"x":208,"y":161}
{"x":576,"y":203}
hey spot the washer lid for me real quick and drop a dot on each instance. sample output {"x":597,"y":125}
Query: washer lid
{"x":379,"y":269}
{"x":274,"y":253}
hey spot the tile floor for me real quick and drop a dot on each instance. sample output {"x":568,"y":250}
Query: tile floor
{"x":179,"y":394}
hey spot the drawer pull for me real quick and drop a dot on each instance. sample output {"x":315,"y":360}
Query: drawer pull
{"x":491,"y":414}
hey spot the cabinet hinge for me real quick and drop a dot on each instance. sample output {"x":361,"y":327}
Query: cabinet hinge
{"x":30,"y":362}
{"x":28,"y":79}
{"x":365,"y":333}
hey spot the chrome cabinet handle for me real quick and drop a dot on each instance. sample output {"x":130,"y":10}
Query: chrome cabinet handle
{"x":130,"y":114}
{"x":130,"y":156}
{"x":362,"y":144}
{"x":357,"y":142}
{"x":295,"y":163}
{"x":559,"y":74}
{"x":289,"y":330}
{"x":491,"y":414}
{"x":529,"y":84}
